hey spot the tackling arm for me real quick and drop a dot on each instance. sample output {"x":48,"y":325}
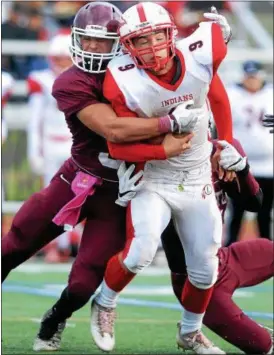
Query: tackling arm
{"x":101,"y":119}
{"x":118,"y":129}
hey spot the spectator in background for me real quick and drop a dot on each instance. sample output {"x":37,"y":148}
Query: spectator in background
{"x":250,"y":100}
{"x":49,"y":139}
{"x":23,"y":23}
{"x":64,"y":11}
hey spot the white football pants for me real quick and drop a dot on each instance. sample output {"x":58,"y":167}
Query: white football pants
{"x":189,"y":199}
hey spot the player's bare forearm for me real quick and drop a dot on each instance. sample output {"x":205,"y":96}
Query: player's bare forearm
{"x":221,"y":109}
{"x":134,"y":129}
{"x":101,"y":119}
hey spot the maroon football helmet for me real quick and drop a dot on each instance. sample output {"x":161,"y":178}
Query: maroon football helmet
{"x":95,"y":19}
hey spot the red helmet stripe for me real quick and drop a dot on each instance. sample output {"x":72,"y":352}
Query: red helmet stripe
{"x":141,"y":12}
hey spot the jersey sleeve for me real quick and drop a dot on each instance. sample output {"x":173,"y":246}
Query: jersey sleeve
{"x":220,"y":107}
{"x":73,"y":96}
{"x":219,"y":47}
{"x":115,"y":96}
{"x":207,"y":46}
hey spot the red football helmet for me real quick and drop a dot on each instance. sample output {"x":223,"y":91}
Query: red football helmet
{"x":144,"y":19}
{"x":100,"y":20}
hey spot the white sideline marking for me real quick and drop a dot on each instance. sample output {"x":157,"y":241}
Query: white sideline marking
{"x":144,"y":290}
{"x":37,"y":268}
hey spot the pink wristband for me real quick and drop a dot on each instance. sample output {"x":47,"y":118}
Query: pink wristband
{"x":165,"y":124}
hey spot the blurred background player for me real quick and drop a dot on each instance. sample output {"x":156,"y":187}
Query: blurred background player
{"x":268,"y":121}
{"x":49,"y":138}
{"x":250,"y":100}
{"x":7,"y":85}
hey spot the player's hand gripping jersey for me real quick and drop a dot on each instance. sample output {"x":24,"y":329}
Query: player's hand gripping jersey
{"x":197,"y":58}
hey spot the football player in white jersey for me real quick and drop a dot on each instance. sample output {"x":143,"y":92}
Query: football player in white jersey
{"x":250,"y":100}
{"x":49,"y":139}
{"x":7,"y":83}
{"x":159,"y":78}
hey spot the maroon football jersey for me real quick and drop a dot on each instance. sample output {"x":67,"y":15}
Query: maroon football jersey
{"x":74,"y":90}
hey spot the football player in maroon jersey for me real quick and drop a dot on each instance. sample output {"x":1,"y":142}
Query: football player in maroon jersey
{"x":86,"y":186}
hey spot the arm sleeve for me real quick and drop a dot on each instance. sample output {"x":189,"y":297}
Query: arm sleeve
{"x":219,"y":48}
{"x":129,"y":152}
{"x":220,"y":107}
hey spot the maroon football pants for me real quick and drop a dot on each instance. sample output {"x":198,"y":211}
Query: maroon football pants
{"x":242,"y":264}
{"x":103,"y":235}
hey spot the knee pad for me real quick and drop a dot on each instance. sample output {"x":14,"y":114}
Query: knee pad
{"x":140,"y":254}
{"x":204,"y":275}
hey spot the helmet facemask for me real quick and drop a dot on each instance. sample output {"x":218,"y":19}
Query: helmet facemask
{"x":88,"y":61}
{"x":156,"y":63}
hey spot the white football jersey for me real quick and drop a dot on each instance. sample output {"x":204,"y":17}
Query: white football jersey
{"x":151,"y":98}
{"x":248,"y":110}
{"x":7,"y":83}
{"x":48,"y":129}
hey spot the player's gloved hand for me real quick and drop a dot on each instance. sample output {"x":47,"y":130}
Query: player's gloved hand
{"x":268,"y":121}
{"x":127,"y":184}
{"x":221,"y":21}
{"x":230,"y":158}
{"x":184,"y":118}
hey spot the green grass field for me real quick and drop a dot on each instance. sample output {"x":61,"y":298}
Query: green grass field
{"x":144,"y":328}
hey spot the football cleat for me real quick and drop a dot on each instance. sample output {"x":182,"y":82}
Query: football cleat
{"x":197,"y":342}
{"x":102,"y":326}
{"x":50,"y":333}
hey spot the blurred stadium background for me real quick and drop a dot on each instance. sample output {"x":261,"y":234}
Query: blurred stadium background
{"x":27,"y":27}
